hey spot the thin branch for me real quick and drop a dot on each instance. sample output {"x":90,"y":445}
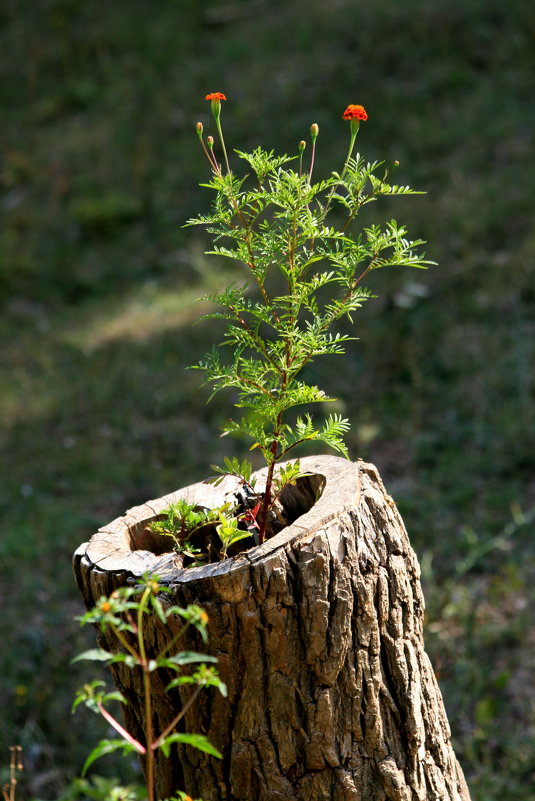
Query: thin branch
{"x":258,"y":340}
{"x":159,"y":740}
{"x":118,"y":728}
{"x":175,"y":639}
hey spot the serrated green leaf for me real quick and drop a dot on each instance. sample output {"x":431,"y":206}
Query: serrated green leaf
{"x":94,"y":655}
{"x":158,"y":608}
{"x":189,"y":657}
{"x":128,"y":659}
{"x":114,"y":696}
{"x":107,"y":747}
{"x":198,"y":741}
{"x":180,"y":680}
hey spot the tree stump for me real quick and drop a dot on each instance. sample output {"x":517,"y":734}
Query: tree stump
{"x":318,"y":636}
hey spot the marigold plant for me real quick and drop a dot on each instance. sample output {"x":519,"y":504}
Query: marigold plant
{"x":304,"y":267}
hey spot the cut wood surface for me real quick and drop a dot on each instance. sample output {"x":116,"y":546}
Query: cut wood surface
{"x":318,"y":635}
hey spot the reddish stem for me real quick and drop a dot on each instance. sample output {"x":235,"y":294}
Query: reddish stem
{"x":117,"y":726}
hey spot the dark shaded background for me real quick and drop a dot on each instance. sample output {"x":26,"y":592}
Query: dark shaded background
{"x":100,"y":168}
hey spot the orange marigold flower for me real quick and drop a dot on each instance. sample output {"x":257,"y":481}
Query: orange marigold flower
{"x":353,"y":112}
{"x":215,"y":96}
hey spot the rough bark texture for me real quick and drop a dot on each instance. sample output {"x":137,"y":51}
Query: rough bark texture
{"x":318,"y":634}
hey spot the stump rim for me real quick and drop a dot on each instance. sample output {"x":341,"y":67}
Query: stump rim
{"x":109,"y":549}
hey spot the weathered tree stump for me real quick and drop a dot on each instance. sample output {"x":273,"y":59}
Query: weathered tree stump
{"x":318,"y":635}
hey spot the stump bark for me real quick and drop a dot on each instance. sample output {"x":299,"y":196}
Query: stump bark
{"x":318,"y":636}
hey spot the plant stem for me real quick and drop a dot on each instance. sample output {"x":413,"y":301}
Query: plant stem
{"x":149,"y":733}
{"x":211,"y":158}
{"x":349,"y":153}
{"x":122,"y":731}
{"x":124,"y":642}
{"x":258,"y":340}
{"x":251,"y":265}
{"x":266,"y":501}
{"x":246,"y":239}
{"x":15,"y":764}
{"x":156,"y":744}
{"x":220,"y":132}
{"x":312,"y":160}
{"x":175,"y":639}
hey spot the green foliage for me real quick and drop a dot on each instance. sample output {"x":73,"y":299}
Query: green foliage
{"x":307,"y":275}
{"x":106,"y":747}
{"x":181,"y":520}
{"x":101,"y":788}
{"x":234,"y":467}
{"x":441,"y":389}
{"x":480,"y":616}
{"x":123,"y":615}
{"x":229,"y":533}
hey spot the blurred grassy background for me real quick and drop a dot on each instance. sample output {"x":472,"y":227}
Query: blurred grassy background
{"x":100,"y":168}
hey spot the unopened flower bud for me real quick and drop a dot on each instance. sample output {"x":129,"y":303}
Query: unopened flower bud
{"x":302,"y":145}
{"x":314,"y":131}
{"x":199,"y":129}
{"x":210,"y":142}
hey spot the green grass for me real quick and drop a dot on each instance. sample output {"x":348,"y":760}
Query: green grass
{"x":100,"y":169}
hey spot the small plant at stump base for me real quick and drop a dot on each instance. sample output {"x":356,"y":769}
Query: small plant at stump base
{"x":124,"y":613}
